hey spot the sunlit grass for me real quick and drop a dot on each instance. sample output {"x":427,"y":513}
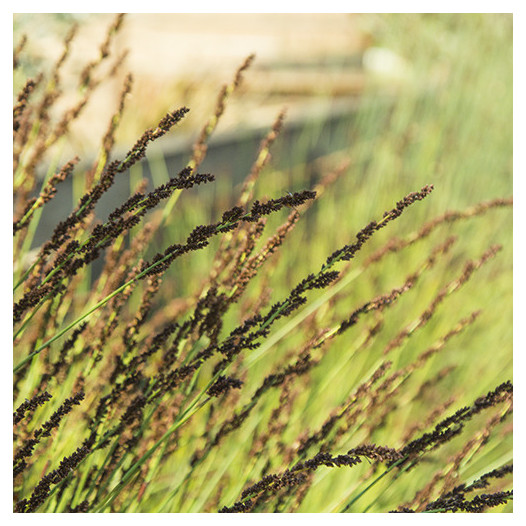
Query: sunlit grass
{"x":448,"y":124}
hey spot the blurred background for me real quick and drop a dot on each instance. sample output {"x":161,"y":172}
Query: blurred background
{"x":401,"y":100}
{"x":302,"y":60}
{"x":395,"y":94}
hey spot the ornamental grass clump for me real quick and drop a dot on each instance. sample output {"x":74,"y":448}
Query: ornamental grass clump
{"x":228,"y":366}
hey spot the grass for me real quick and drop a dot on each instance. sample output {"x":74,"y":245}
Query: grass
{"x":342,"y":344}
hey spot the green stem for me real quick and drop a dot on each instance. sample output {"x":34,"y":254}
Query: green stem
{"x":131,"y":472}
{"x":376,"y":480}
{"x":78,"y":320}
{"x":29,"y":357}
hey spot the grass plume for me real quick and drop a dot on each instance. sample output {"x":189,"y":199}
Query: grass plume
{"x":331,"y":344}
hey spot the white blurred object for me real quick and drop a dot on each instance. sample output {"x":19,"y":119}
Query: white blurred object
{"x":28,"y":259}
{"x":383,"y":62}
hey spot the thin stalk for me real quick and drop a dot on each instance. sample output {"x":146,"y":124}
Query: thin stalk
{"x":367,"y":488}
{"x":31,"y":228}
{"x":105,"y":300}
{"x":132,"y":471}
{"x":256,"y":355}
